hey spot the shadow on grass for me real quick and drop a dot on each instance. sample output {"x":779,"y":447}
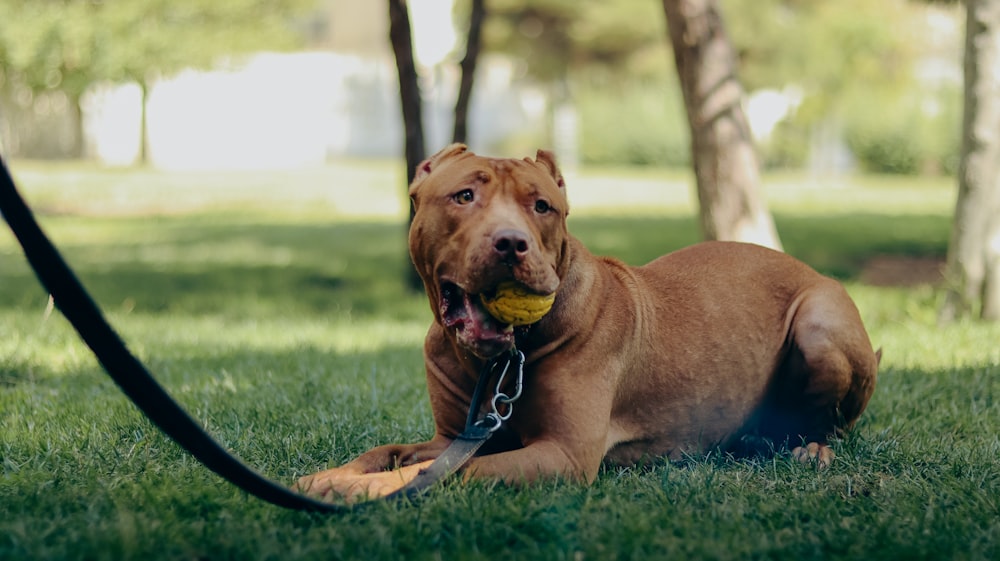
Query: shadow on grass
{"x":197,"y":265}
{"x":15,"y":371}
{"x":838,"y":245}
{"x":192,"y":265}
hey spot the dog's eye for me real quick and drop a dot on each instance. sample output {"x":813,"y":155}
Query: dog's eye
{"x":541,"y":207}
{"x":464,"y":197}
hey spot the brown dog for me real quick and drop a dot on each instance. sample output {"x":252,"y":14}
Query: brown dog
{"x":693,"y":351}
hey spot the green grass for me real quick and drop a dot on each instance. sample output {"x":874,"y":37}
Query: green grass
{"x":277,"y":314}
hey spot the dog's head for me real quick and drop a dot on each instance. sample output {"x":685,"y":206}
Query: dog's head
{"x":481,"y":221}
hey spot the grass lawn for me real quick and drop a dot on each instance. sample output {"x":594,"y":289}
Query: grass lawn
{"x":272,"y":305}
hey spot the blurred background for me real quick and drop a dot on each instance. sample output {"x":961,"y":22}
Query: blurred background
{"x":831,"y":86}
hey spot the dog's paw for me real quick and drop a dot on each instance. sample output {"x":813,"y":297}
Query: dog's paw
{"x":319,"y":485}
{"x":353,"y":486}
{"x":819,"y":455}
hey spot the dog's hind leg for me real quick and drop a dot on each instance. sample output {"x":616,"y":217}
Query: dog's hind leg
{"x":827,"y":377}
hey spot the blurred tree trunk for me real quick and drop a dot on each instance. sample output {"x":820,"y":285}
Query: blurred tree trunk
{"x":409,"y":96}
{"x":726,"y":167}
{"x":973,"y":272}
{"x":76,"y":146}
{"x":143,"y":123}
{"x":472,"y":46}
{"x":400,"y":35}
{"x":409,"y":88}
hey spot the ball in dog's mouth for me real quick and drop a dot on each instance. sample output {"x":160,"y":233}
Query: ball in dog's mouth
{"x":475,"y":328}
{"x":515,"y":304}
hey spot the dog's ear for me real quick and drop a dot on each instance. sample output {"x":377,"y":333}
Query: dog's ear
{"x":548,"y":159}
{"x":425,"y":167}
{"x":432,"y":163}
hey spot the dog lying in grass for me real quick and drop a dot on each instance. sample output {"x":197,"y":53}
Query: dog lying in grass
{"x":691,"y":352}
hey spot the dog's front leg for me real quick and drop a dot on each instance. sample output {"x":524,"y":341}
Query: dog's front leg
{"x":375,"y":473}
{"x":542,"y":459}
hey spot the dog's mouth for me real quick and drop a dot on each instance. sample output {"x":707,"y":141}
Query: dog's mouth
{"x":474,"y":327}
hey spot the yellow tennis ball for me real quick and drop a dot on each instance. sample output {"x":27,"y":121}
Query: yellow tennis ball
{"x":514,"y":304}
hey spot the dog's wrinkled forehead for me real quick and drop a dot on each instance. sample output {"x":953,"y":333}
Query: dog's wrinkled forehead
{"x":456,"y":165}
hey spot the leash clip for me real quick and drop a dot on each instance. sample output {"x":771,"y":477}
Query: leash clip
{"x":492,"y":420}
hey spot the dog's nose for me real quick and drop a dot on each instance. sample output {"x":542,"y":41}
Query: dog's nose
{"x":511,"y":245}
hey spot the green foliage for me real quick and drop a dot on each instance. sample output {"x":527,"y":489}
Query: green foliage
{"x":905,"y":133}
{"x":173,"y":35}
{"x":67,"y":46}
{"x":288,"y":331}
{"x":786,"y":148}
{"x":612,"y":58}
{"x":852,"y":68}
{"x":858,"y":76}
{"x":632,"y":124}
{"x":555,"y":38}
{"x":822,"y":47}
{"x":51,"y":46}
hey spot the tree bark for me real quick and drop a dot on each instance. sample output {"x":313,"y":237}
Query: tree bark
{"x":409,"y":96}
{"x":973,"y":270}
{"x":468,"y":65}
{"x":726,"y":167}
{"x":409,"y":88}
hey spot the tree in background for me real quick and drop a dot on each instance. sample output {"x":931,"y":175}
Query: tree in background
{"x":725,"y":162}
{"x":604,"y":59}
{"x":573,"y":44}
{"x":69,"y":46}
{"x":151,"y":38}
{"x":973,"y":270}
{"x":401,"y":37}
{"x":852,"y":77}
{"x":411,"y":102}
{"x":863,"y":84}
{"x":561,"y":39}
{"x":51,"y":48}
{"x":473,"y":45}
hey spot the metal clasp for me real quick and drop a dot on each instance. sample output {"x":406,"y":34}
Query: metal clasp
{"x":495,"y":417}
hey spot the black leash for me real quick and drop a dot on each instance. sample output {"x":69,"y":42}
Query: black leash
{"x":477,"y":431}
{"x":139,"y":385}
